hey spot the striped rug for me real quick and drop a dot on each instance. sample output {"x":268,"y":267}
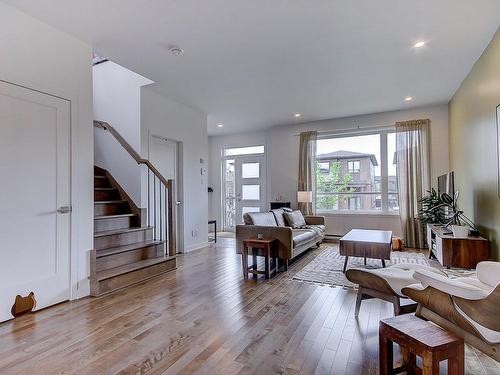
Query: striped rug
{"x":326,"y":268}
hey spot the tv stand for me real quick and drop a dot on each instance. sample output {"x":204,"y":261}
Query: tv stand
{"x":456,"y":252}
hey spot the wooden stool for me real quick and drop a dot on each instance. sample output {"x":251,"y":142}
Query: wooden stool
{"x":266,"y":244}
{"x":419,"y":337}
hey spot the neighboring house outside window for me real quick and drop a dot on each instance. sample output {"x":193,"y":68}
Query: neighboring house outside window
{"x":352,"y":176}
{"x":361,"y":178}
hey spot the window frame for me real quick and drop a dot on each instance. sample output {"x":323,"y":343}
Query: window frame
{"x":384,"y":172}
{"x":353,"y":162}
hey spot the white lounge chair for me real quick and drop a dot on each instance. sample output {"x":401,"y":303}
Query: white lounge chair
{"x":467,"y":306}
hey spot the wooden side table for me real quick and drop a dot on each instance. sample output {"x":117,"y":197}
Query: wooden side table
{"x":419,"y":337}
{"x":266,"y":244}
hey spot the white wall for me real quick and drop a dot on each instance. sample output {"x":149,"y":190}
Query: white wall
{"x":117,"y":100}
{"x":473,"y":144}
{"x":164,"y":117}
{"x":282,"y":159}
{"x":40,"y":57}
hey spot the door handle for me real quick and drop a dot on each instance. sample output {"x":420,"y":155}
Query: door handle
{"x":178,"y":203}
{"x":64,"y":209}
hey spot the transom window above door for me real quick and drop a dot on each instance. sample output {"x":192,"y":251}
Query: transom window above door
{"x":247,"y":150}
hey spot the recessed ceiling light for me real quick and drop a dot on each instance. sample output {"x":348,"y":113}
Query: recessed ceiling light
{"x":176,"y":51}
{"x":297,"y":115}
{"x":408,"y":98}
{"x":419,"y":44}
{"x":220,"y":125}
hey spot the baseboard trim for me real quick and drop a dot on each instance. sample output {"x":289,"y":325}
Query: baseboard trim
{"x":196,"y":246}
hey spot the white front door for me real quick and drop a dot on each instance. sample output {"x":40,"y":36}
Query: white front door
{"x":250,"y":185}
{"x":35,"y":175}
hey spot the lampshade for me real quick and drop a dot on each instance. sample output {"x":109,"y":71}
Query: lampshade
{"x":304,"y":196}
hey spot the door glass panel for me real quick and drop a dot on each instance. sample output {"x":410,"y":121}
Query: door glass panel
{"x":244,"y":210}
{"x":229,"y":199}
{"x":250,"y":192}
{"x":250,"y":170}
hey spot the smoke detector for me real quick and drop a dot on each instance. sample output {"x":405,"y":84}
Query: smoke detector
{"x":176,"y":51}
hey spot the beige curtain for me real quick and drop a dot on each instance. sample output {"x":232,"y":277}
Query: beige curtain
{"x":413,"y":171}
{"x":307,"y":168}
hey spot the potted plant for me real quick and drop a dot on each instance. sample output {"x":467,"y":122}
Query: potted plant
{"x":428,"y":212}
{"x":443,"y":209}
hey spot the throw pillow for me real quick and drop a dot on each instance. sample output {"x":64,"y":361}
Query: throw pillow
{"x":295,"y":219}
{"x":278,"y":215}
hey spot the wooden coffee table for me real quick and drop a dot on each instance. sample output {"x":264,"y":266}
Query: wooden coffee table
{"x":366,"y":244}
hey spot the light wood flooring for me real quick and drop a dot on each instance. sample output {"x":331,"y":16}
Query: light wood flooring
{"x":205,"y":319}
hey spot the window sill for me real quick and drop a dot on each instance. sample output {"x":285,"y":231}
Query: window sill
{"x":358,"y":213}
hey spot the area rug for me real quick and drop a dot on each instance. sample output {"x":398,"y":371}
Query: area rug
{"x":326,"y":268}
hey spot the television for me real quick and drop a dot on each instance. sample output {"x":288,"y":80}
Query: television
{"x":446,"y":184}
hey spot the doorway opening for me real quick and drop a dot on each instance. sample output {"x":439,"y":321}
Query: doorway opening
{"x":166,"y":154}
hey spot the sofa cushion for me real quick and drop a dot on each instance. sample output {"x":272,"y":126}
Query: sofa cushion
{"x":302,"y":236}
{"x":265,"y":219}
{"x":278,"y":215}
{"x":320,"y":229}
{"x":295,"y":219}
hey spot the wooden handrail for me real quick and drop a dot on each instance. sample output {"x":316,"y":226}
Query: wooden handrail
{"x":168,"y":183}
{"x":130,"y":149}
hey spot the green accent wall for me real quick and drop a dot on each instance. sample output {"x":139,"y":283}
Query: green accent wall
{"x":473,"y":143}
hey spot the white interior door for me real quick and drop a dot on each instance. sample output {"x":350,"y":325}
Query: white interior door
{"x":164,"y":154}
{"x":35,"y":170}
{"x":250,"y":185}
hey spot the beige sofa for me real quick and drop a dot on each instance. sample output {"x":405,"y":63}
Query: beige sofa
{"x":291,"y":242}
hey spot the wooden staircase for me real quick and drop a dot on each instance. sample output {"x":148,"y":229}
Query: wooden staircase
{"x":125,"y":252}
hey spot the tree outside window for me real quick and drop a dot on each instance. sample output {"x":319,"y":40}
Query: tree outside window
{"x":329,"y":183}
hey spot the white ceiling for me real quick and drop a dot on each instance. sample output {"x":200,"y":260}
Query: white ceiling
{"x":252,"y":64}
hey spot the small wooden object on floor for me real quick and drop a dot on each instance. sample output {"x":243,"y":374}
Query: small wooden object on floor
{"x":416,"y":336}
{"x":265,"y":244}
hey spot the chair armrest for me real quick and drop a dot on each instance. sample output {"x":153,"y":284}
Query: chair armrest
{"x":315,"y":220}
{"x":284,"y":236}
{"x":452,"y":287}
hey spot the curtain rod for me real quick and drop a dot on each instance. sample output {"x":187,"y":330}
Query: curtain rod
{"x":358,"y":128}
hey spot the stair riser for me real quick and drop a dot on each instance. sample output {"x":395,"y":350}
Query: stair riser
{"x":122,"y":239}
{"x":120,"y":281}
{"x":99,"y":172}
{"x":132,"y":256}
{"x":106,"y":195}
{"x":101,"y":182}
{"x":115,"y":223}
{"x":102,"y":209}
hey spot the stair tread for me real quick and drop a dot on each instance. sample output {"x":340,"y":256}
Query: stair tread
{"x":113,"y":216}
{"x":113,"y":201}
{"x":112,"y":272}
{"x":125,"y":248}
{"x":98,"y":176}
{"x":104,"y":188}
{"x":120,"y":231}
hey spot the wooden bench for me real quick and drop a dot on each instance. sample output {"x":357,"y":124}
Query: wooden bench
{"x":416,"y":336}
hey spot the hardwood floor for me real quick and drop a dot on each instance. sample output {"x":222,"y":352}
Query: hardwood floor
{"x":204,"y":319}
